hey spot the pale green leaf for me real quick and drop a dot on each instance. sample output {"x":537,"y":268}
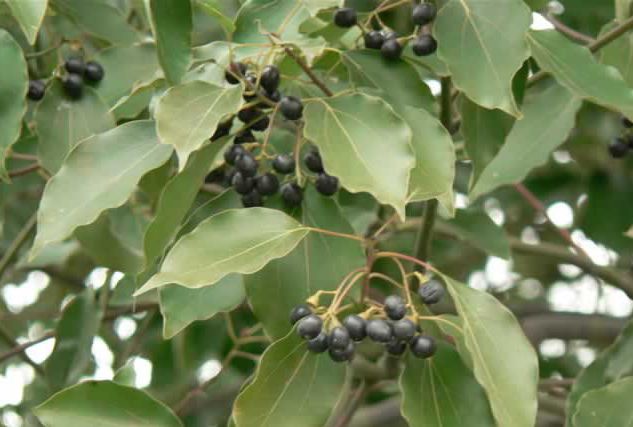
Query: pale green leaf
{"x":618,"y":53}
{"x":29,"y":14}
{"x":172,"y":24}
{"x":479,"y":230}
{"x":250,"y":239}
{"x":483,"y":43}
{"x":606,"y":407}
{"x":99,"y":174}
{"x":210,"y":7}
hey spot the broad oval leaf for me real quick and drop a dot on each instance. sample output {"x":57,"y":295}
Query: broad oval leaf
{"x":483,"y":43}
{"x":188,"y":114}
{"x":62,"y":123}
{"x":608,"y":406}
{"x":504,"y":361}
{"x":99,"y":174}
{"x":364,"y":143}
{"x":548,"y":118}
{"x":575,"y":67}
{"x":14,"y":81}
{"x":172,"y":24}
{"x":442,"y":392}
{"x":234,"y":241}
{"x":29,"y":15}
{"x":104,"y":404}
{"x":292,"y":387}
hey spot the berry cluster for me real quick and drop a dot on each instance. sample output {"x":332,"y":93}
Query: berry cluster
{"x":387,"y":41}
{"x":622,"y":145}
{"x":391,"y":328}
{"x":77,"y":72}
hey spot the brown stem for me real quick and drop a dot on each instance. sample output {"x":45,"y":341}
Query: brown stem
{"x":25,"y":170}
{"x":568,"y":31}
{"x":306,"y":69}
{"x":20,"y":348}
{"x":8,"y":339}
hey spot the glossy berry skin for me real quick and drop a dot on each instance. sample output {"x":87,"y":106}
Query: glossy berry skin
{"x":395,"y":307}
{"x":274,"y":96}
{"x":344,"y":355}
{"x":75,"y":65}
{"x":374,"y":39}
{"x":247,"y":115}
{"x":247,"y":164}
{"x":236,"y":69}
{"x":93,"y":72}
{"x":356,"y":327}
{"x":396,"y":348}
{"x":403,"y":330}
{"x":313,"y":161}
{"x":245,"y":137}
{"x":291,"y":194}
{"x":423,"y":14}
{"x":345,"y":17}
{"x":73,"y":86}
{"x":391,"y":49}
{"x":339,"y":338}
{"x":37,"y":89}
{"x":270,"y":78}
{"x":326,"y":185}
{"x":291,"y":107}
{"x":310,"y":327}
{"x":619,"y":148}
{"x":261,"y":124}
{"x":222,"y":130}
{"x":233,"y":152}
{"x":424,"y":45}
{"x":242,"y":184}
{"x":299,"y":312}
{"x":318,"y":344}
{"x":379,"y":330}
{"x":389,"y":35}
{"x":267,"y":184}
{"x":284,"y":164}
{"x":431,"y":292}
{"x":422,"y":346}
{"x":252,"y":199}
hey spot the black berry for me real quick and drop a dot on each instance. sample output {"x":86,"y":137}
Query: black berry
{"x":424,"y":45}
{"x":247,"y":164}
{"x":284,"y":164}
{"x":235,"y":72}
{"x":423,"y":14}
{"x":267,"y":184}
{"x":379,"y":330}
{"x":374,"y":39}
{"x":345,"y":17}
{"x":395,"y":307}
{"x":313,"y":161}
{"x":291,"y":194}
{"x":73,"y":85}
{"x":245,"y":137}
{"x":431,"y":292}
{"x":37,"y":89}
{"x":94,"y":72}
{"x":619,"y":148}
{"x":344,"y":355}
{"x":403,"y":330}
{"x":274,"y":96}
{"x":242,"y":184}
{"x":270,"y":78}
{"x":339,"y":338}
{"x":356,"y":327}
{"x":318,"y":344}
{"x":261,"y":124}
{"x":75,"y":65}
{"x":310,"y":326}
{"x":299,"y":312}
{"x":391,"y":49}
{"x":291,"y":107}
{"x":232,"y":153}
{"x":422,"y":346}
{"x":251,"y":87}
{"x":626,"y":122}
{"x":216,"y":176}
{"x":252,"y":199}
{"x":389,"y":35}
{"x":247,"y":115}
{"x":222,"y":130}
{"x":326,"y":184}
{"x":228,"y":177}
{"x":395,"y":347}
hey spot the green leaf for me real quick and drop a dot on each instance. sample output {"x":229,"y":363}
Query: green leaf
{"x":288,"y":281}
{"x":442,"y":392}
{"x":210,"y":7}
{"x":188,"y":114}
{"x":104,"y":404}
{"x":292,"y":387}
{"x":73,"y":341}
{"x":630,"y":233}
{"x":478,"y":229}
{"x":62,"y":123}
{"x":575,"y":67}
{"x":618,"y":53}
{"x":351,"y":131}
{"x":182,"y":306}
{"x":99,"y":174}
{"x":606,"y":407}
{"x":250,"y":239}
{"x":483,"y":44}
{"x":14,"y":81}
{"x":172,"y":24}
{"x":504,"y":361}
{"x":548,"y":118}
{"x":29,"y":15}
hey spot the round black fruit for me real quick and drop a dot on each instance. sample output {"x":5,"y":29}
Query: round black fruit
{"x":344,"y":355}
{"x":75,"y":65}
{"x":252,"y":199}
{"x":424,"y":45}
{"x":247,"y":164}
{"x":216,"y":176}
{"x":267,"y":184}
{"x":379,"y":330}
{"x":423,"y":14}
{"x":242,"y":184}
{"x":356,"y":327}
{"x":374,"y":39}
{"x":395,"y":308}
{"x":284,"y":164}
{"x":222,"y":130}
{"x":94,"y":72}
{"x":310,"y":327}
{"x":626,"y":122}
{"x":431,"y":292}
{"x":235,"y":72}
{"x":299,"y":312}
{"x":395,"y":347}
{"x":403,"y":330}
{"x":251,"y":87}
{"x":318,"y":344}
{"x":233,"y":152}
{"x":261,"y":124}
{"x":389,"y":34}
{"x":326,"y":184}
{"x":313,"y":161}
{"x":291,"y":107}
{"x":274,"y":96}
{"x":245,"y":137}
{"x":619,"y":148}
{"x":73,"y":85}
{"x":422,"y":346}
{"x":247,"y":115}
{"x":345,"y":17}
{"x":391,"y":49}
{"x":291,"y":194}
{"x":339,"y":338}
{"x":37,"y":89}
{"x":270,"y":78}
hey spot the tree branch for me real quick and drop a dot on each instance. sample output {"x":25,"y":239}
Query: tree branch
{"x":572,"y":326}
{"x":6,"y":337}
{"x":568,"y":31}
{"x":24,"y":171}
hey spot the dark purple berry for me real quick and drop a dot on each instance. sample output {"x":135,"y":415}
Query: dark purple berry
{"x":395,"y":308}
{"x":247,"y":164}
{"x":242,"y":184}
{"x":318,"y":344}
{"x":343,"y":355}
{"x":232,"y":153}
{"x":291,"y":107}
{"x":222,"y":130}
{"x":94,"y":72}
{"x":423,"y":14}
{"x":313,"y":161}
{"x":395,"y":347}
{"x":252,"y":199}
{"x":37,"y":89}
{"x":379,"y":330}
{"x":374,"y":39}
{"x":403,"y":330}
{"x":356,"y":326}
{"x":424,"y":45}
{"x":236,"y":71}
{"x":619,"y":148}
{"x":431,"y":292}
{"x":267,"y":184}
{"x":345,"y":17}
{"x":422,"y":346}
{"x":270,"y":78}
{"x":391,"y":49}
{"x":274,"y":96}
{"x":284,"y":164}
{"x":75,"y":65}
{"x":261,"y":124}
{"x":326,"y":185}
{"x":73,"y":86}
{"x":626,"y":122}
{"x":245,"y":137}
{"x":291,"y":194}
{"x":310,"y":327}
{"x":339,"y":338}
{"x":299,"y":312}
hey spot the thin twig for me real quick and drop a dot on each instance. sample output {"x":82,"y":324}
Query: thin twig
{"x":17,"y":243}
{"x":20,"y":348}
{"x":568,"y":31}
{"x":357,"y":397}
{"x":7,"y":338}
{"x":24,"y":170}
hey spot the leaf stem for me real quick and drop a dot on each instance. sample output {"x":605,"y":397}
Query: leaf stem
{"x":17,"y":243}
{"x":336,"y":234}
{"x":24,"y":170}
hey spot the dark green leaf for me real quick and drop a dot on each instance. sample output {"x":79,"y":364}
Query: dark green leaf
{"x":172,"y":24}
